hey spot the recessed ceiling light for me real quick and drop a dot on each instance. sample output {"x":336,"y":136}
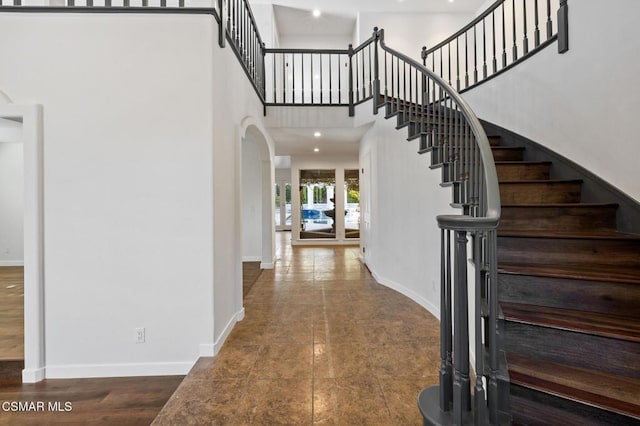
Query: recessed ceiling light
{"x":316,"y":13}
{"x":317,"y":134}
{"x":316,"y":76}
{"x":316,"y":149}
{"x":450,"y":1}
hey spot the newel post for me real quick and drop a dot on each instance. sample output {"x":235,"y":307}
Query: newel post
{"x":352,"y":109}
{"x":376,"y":71}
{"x":563,"y":27}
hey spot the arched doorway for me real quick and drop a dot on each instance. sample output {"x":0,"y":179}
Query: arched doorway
{"x":257,"y":198}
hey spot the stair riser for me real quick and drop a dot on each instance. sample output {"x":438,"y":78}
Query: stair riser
{"x":539,"y":193}
{"x":596,"y":296}
{"x":523,"y":171}
{"x":571,"y":348}
{"x":558,"y":251}
{"x":535,"y":408}
{"x":557,"y":218}
{"x":507,"y":154}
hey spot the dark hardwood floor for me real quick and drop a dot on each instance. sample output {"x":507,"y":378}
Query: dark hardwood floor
{"x":112,"y":401}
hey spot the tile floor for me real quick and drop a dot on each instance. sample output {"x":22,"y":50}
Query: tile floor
{"x":321,"y":343}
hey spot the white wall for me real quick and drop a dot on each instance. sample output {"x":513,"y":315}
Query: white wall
{"x":582,"y":104}
{"x":251,"y":201}
{"x":407,"y":33}
{"x":11,"y":204}
{"x":404,"y":197}
{"x":315,"y":42}
{"x":140,"y":141}
{"x":267,"y":24}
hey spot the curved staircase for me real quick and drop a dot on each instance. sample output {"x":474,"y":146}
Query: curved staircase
{"x":569,"y":289}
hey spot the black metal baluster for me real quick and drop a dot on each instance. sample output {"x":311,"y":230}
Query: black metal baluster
{"x":302,"y":97}
{"x":312,"y":77}
{"x":504,"y":39}
{"x":357,"y":71}
{"x":386,"y":91}
{"x":515,"y":46}
{"x":449,"y":50}
{"x":351,"y":106}
{"x":466,"y":60}
{"x":458,"y":64}
{"x":441,"y":66}
{"x":536,"y":32}
{"x":549,"y":21}
{"x":340,"y":80}
{"x":475,"y":53}
{"x":285,"y":65}
{"x":275,"y":93}
{"x":370,"y":73}
{"x":493,"y":25}
{"x":364,"y":84}
{"x":321,"y":79}
{"x":525,"y":41}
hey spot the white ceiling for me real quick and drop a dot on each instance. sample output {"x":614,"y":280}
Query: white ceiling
{"x":295,"y":21}
{"x":301,"y":141}
{"x":350,"y":8}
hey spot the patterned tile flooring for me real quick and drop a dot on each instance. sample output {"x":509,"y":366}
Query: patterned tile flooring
{"x":321,"y":343}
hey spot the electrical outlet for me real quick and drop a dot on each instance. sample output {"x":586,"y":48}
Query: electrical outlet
{"x":140,"y":335}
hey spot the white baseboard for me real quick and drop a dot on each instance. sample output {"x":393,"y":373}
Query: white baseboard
{"x":207,"y":350}
{"x":11,"y":262}
{"x":434,"y":310}
{"x":33,"y":375}
{"x":118,"y":370}
{"x":227,"y":330}
{"x":251,"y":258}
{"x":265,"y":265}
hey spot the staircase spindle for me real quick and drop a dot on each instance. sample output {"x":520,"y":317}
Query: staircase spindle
{"x":525,"y":41}
{"x":461,"y":382}
{"x":446,"y":350}
{"x":536,"y":31}
{"x":549,"y":21}
{"x":513,"y":17}
{"x":466,"y":60}
{"x":493,"y":24}
{"x":504,"y":39}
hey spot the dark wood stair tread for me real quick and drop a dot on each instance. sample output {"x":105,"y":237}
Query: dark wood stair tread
{"x":580,"y":272}
{"x":520,"y":182}
{"x":610,"y":392}
{"x":586,"y":205}
{"x":595,"y":234}
{"x":594,"y":323}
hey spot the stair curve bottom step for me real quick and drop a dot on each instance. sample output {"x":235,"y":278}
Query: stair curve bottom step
{"x":550,"y":393}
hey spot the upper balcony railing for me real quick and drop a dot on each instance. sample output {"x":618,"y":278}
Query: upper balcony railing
{"x":508,"y":32}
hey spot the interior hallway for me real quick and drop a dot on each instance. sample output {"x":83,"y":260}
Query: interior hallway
{"x":321,"y":342}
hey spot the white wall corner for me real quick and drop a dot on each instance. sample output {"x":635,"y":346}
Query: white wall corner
{"x":239,"y":316}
